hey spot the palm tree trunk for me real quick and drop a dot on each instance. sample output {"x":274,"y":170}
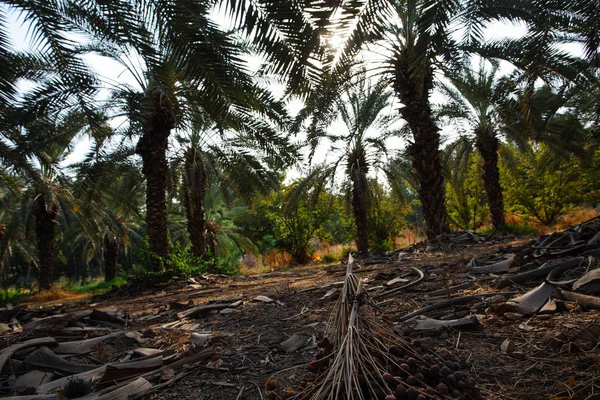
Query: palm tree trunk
{"x":487,"y":144}
{"x":45,"y":220}
{"x":424,"y":150}
{"x":111,"y":257}
{"x":359,"y":209}
{"x":152,"y":147}
{"x":2,"y":237}
{"x":195,"y":182}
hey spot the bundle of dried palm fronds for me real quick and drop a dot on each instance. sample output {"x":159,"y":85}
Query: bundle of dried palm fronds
{"x":361,"y":357}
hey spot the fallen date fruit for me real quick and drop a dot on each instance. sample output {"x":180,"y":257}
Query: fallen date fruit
{"x":396,"y":351}
{"x":412,"y":362}
{"x":442,"y":388}
{"x":434,"y":371}
{"x":400,"y":392}
{"x":405,"y":368}
{"x":445,"y":371}
{"x":456,"y":394}
{"x":451,"y":380}
{"x":271,"y":385}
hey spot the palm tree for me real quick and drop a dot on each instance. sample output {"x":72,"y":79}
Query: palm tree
{"x":419,"y":39}
{"x":36,"y":150}
{"x":187,"y":59}
{"x":235,"y":160}
{"x":476,"y":97}
{"x":362,"y":109}
{"x":111,"y":194}
{"x":416,"y":36}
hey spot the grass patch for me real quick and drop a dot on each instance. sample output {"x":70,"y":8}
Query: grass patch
{"x":96,"y":287}
{"x":11,"y":295}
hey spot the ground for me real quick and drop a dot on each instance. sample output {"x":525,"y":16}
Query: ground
{"x":543,"y":357}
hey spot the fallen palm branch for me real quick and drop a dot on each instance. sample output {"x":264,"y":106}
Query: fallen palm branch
{"x":412,"y":283}
{"x":362,"y":357}
{"x":540,"y":272}
{"x":501,"y":266}
{"x":452,"y":302}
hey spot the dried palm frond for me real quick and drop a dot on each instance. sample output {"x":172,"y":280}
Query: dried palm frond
{"x":362,"y":357}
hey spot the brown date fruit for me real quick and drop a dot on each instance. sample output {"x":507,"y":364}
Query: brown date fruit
{"x":442,"y":388}
{"x":451,"y":380}
{"x":434,"y":371}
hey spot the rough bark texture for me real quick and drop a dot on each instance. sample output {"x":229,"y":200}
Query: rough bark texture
{"x":424,"y":150}
{"x":111,"y":257}
{"x":195,"y":191}
{"x":487,"y":144}
{"x":152,"y":147}
{"x":45,"y":221}
{"x":357,"y":169}
{"x":2,"y":237}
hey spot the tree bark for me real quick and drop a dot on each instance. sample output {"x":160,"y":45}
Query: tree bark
{"x":152,"y":147}
{"x":360,"y":209}
{"x":425,"y":153}
{"x":111,"y":257}
{"x":487,"y":144}
{"x":45,"y":221}
{"x":195,"y":182}
{"x":2,"y":237}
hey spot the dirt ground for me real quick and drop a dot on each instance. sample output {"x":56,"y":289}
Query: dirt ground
{"x":551,"y":355}
{"x":543,"y":360}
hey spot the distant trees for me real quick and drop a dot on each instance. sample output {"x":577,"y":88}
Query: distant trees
{"x":198,"y":137}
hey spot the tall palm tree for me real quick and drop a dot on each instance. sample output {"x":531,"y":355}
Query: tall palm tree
{"x":362,"y":109}
{"x":237,"y":161}
{"x":476,"y":95}
{"x":35,"y":151}
{"x":415,"y":34}
{"x":419,"y":39}
{"x":186,"y":58}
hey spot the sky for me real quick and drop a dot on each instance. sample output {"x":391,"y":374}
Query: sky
{"x":111,"y":72}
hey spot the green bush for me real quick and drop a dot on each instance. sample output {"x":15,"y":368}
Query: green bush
{"x":180,"y":263}
{"x":329,"y":258}
{"x":10,"y":295}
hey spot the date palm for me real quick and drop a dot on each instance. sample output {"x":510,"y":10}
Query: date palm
{"x":476,"y":96}
{"x":186,"y":59}
{"x":414,"y":35}
{"x":365,"y":109}
{"x":32,"y":153}
{"x":230,"y":159}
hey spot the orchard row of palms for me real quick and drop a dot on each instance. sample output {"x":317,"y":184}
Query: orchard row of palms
{"x":195,"y":94}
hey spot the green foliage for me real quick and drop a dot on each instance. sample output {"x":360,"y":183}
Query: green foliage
{"x":329,"y":258}
{"x":386,"y":218}
{"x":180,"y":263}
{"x":513,"y":229}
{"x":97,"y":286}
{"x":287,"y":219}
{"x":11,"y":295}
{"x":466,"y":200}
{"x":543,"y":188}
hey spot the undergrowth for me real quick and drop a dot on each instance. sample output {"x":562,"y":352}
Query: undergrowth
{"x":95,"y":287}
